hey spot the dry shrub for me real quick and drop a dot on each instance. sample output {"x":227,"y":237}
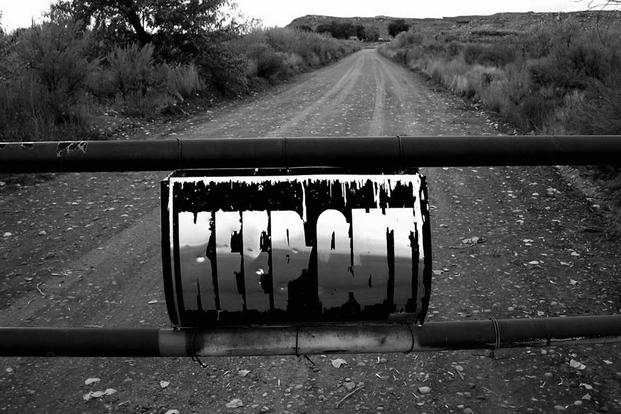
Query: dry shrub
{"x":139,"y":84}
{"x":528,"y":77}
{"x":277,"y":54}
{"x":408,"y":39}
{"x":295,"y":62}
{"x":54,"y":78}
{"x":597,"y":112}
{"x":489,"y":55}
{"x":270,"y":65}
{"x":43,"y":86}
{"x":28,"y":112}
{"x":184,"y":81}
{"x":133,"y":70}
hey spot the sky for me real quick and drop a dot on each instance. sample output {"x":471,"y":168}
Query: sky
{"x":281,"y":12}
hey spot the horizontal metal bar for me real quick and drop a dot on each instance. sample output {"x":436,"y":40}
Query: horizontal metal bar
{"x":380,"y":338}
{"x":79,"y":342}
{"x":344,"y":152}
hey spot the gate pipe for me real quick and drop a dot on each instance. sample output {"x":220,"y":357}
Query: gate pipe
{"x":343,"y":152}
{"x":308,"y":340}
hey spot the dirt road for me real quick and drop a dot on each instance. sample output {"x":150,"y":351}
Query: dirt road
{"x":84,"y":250}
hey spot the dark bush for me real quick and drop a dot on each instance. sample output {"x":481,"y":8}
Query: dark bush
{"x":343,"y":30}
{"x":223,"y":69}
{"x":453,"y":49}
{"x":371,"y":34}
{"x":472,"y":53}
{"x":536,"y":44}
{"x":277,"y":53}
{"x":534,"y":109}
{"x":271,"y":65}
{"x":397,"y":26}
{"x":599,"y":113}
{"x":408,"y":39}
{"x":587,"y":60}
{"x":496,"y":54}
{"x":550,"y":71}
{"x":360,"y":31}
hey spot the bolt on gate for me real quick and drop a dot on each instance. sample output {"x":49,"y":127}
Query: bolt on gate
{"x":261,"y":238}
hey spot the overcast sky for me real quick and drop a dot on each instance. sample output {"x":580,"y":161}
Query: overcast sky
{"x":19,"y":13}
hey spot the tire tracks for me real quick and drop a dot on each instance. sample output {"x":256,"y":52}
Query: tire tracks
{"x":325,"y":104}
{"x":376,"y":125}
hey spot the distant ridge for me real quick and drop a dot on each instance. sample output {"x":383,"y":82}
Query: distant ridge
{"x":513,"y":21}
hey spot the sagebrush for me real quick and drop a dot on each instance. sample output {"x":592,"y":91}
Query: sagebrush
{"x":56,"y":78}
{"x":558,"y":78}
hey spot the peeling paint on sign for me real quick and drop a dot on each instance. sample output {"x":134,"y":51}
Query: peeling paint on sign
{"x":289,"y":248}
{"x":67,"y":149}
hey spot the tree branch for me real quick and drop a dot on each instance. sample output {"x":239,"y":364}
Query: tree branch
{"x":129,"y":9}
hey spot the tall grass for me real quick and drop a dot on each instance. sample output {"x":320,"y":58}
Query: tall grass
{"x":561,"y":78}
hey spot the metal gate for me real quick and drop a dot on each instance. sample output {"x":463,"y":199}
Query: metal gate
{"x":328,"y":155}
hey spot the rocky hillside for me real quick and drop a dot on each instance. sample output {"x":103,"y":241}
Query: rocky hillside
{"x":495,"y":24}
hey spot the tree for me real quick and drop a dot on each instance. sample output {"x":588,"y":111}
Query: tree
{"x":341,"y":30}
{"x":371,"y":34}
{"x":397,"y":26}
{"x":173,"y":26}
{"x":359,"y":31}
{"x":181,"y":31}
{"x":324,"y":28}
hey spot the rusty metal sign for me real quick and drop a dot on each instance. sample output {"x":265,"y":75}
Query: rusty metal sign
{"x":271,"y":247}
